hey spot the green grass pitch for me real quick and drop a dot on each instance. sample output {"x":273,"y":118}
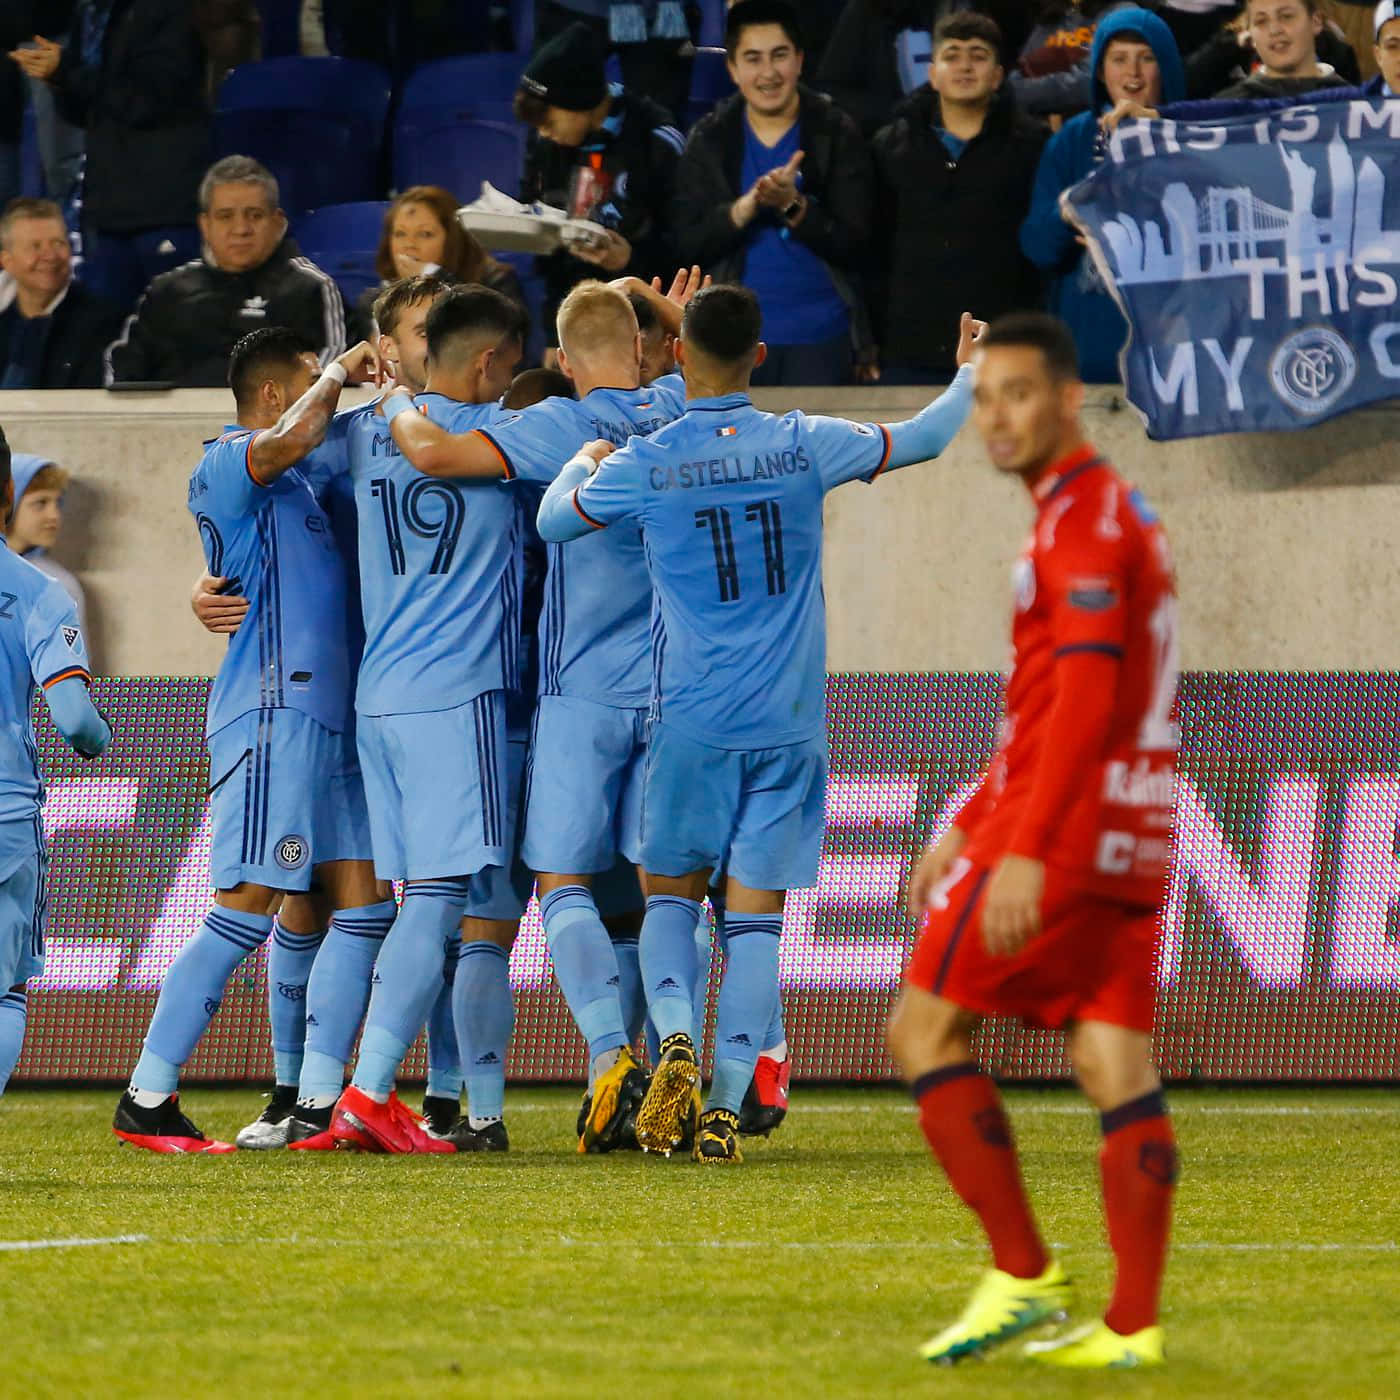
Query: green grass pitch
{"x":812,"y":1270}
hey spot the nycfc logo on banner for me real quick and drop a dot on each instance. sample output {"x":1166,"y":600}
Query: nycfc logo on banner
{"x":292,"y":852}
{"x":1312,"y":369}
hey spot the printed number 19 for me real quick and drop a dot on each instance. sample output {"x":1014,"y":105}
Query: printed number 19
{"x":769,"y":516}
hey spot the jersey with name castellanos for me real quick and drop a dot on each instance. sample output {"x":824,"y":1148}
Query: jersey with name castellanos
{"x":274,"y":542}
{"x":730,"y":504}
{"x":595,"y":628}
{"x":440,"y":572}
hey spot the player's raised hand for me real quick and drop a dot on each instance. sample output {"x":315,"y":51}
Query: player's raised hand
{"x":685,"y":284}
{"x":1011,"y":908}
{"x":362,"y":364}
{"x":969,"y":333}
{"x":597,"y":449}
{"x":933,"y":868}
{"x":217,"y":610}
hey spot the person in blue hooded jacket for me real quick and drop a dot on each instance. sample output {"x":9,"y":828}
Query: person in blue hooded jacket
{"x":1134,"y":58}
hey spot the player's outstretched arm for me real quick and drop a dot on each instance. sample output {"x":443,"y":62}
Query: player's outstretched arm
{"x":303,"y":426}
{"x":924,"y":437}
{"x":433,"y":450}
{"x":560,"y":518}
{"x":76,"y":717}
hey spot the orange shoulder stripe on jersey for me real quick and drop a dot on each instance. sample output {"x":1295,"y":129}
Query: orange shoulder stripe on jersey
{"x":80,"y":672}
{"x":248,"y":462}
{"x":596,"y":524}
{"x":885,"y":457}
{"x":496,"y":448}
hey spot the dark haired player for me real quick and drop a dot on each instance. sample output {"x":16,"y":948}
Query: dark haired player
{"x":1042,"y":899}
{"x":41,"y":646}
{"x":285,"y":790}
{"x":729,"y":501}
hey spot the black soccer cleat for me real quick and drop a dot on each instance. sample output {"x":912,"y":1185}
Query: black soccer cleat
{"x":269,"y":1129}
{"x":440,"y":1114}
{"x":717,"y":1138}
{"x":162,"y":1128}
{"x":309,"y":1129}
{"x":492,"y":1138}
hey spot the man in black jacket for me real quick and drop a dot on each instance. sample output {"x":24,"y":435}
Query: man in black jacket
{"x":52,"y":330}
{"x":599,"y":153}
{"x":775,"y":191}
{"x":251,"y":275}
{"x":954,"y":172}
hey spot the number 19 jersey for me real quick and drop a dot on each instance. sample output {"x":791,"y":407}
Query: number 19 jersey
{"x":1096,"y":576}
{"x":730,"y":504}
{"x":440,"y":572}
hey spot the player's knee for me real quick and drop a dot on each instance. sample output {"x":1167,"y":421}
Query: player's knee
{"x":501,"y":932}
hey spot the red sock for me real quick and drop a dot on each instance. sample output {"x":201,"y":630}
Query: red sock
{"x":961,"y":1114}
{"x":1138,"y":1166}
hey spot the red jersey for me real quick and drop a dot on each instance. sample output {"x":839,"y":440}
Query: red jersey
{"x":1095,"y":581}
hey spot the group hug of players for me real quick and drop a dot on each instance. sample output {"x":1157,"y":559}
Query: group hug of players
{"x":374,"y":721}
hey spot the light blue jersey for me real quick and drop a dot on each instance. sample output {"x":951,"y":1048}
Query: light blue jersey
{"x":41,"y":644}
{"x":440,"y":572}
{"x":729,"y":500}
{"x":595,"y":628}
{"x":275,"y":545}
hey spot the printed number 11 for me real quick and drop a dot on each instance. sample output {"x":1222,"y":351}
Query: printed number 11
{"x":770,"y":521}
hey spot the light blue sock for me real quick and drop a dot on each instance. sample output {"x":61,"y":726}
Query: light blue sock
{"x":704,"y":956}
{"x":746,"y":997}
{"x":485,"y":1014}
{"x":14,"y":1009}
{"x":777,"y":1033}
{"x":444,"y":1063}
{"x":290,"y":958}
{"x":585,"y":965}
{"x":668,"y":963}
{"x":193,"y":991}
{"x":406,"y":979}
{"x":629,"y":984}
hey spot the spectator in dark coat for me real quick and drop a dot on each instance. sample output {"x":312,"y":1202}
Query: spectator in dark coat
{"x":60,"y":143}
{"x":1230,"y":57}
{"x":602,"y":154}
{"x":133,"y":74}
{"x":251,"y":275}
{"x":1285,"y":34}
{"x":775,"y":191}
{"x":52,"y":330}
{"x":954,"y":172}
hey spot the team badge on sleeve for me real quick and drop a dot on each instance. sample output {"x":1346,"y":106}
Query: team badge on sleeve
{"x":71,"y":635}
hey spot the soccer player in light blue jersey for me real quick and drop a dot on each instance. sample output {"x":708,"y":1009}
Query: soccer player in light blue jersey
{"x":729,"y":501}
{"x":41,"y":647}
{"x":286,"y":798}
{"x":588,"y":743}
{"x":440,"y":583}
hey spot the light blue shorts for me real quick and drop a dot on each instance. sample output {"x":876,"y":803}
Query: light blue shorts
{"x":24,"y":869}
{"x":438,"y":789}
{"x":501,"y":892}
{"x":285,"y":796}
{"x":584,"y":790}
{"x":759,"y":812}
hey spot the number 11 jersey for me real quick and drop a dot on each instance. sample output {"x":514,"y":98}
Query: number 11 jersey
{"x":729,"y":500}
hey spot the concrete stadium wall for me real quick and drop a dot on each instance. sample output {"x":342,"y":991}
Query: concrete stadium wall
{"x":1286,"y":543}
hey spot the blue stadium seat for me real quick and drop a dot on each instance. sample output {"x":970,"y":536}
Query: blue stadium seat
{"x":532,"y":284}
{"x":522,"y":24}
{"x":474,"y":85}
{"x":342,"y":239}
{"x":712,"y":13}
{"x":709,"y":83}
{"x":316,"y":123}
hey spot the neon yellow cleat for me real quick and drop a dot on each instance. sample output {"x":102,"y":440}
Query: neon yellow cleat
{"x":1096,"y":1347}
{"x":617,"y":1093}
{"x":1002,"y":1307}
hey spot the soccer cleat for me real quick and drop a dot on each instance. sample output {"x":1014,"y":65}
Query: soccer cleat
{"x":309,"y":1130}
{"x":717,"y":1138}
{"x":1001,"y":1307}
{"x":1098,"y":1347}
{"x":616,"y":1093}
{"x":162,"y":1128}
{"x":766,"y":1099}
{"x":269,"y":1129}
{"x":492,"y":1138}
{"x":440,"y":1114}
{"x":361,"y":1123}
{"x":669,"y":1102}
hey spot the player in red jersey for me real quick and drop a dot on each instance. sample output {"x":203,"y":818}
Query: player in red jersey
{"x":1041,"y":900}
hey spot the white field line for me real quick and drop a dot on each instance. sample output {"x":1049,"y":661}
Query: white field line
{"x":13,"y":1245}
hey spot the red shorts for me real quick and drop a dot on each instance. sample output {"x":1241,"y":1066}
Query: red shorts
{"x":1093,"y":959}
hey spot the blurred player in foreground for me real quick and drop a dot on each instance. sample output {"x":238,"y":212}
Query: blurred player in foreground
{"x":41,"y":645}
{"x":729,"y":501}
{"x":1042,"y":899}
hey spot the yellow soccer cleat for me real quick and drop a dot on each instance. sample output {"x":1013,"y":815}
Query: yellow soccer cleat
{"x":617,"y":1093}
{"x":670,"y":1101}
{"x":717,"y":1138}
{"x":1096,"y":1347}
{"x":1002,"y":1307}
